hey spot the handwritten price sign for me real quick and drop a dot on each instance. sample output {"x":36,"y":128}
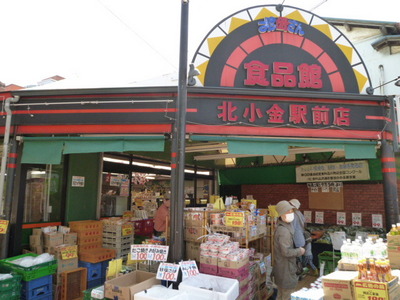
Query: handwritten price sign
{"x":341,"y":218}
{"x":149,"y":252}
{"x":127,"y":229}
{"x":167,"y":271}
{"x":356,"y":219}
{"x":3,"y":226}
{"x":69,"y":252}
{"x":234,"y":219}
{"x":319,"y":217}
{"x":189,"y":268}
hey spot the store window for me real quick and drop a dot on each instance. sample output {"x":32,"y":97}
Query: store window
{"x":43,"y":195}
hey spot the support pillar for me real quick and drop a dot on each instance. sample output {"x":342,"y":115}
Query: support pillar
{"x":389,"y":184}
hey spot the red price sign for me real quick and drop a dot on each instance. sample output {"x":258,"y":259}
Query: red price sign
{"x":234,"y":219}
{"x":168,"y":272}
{"x":69,"y":252}
{"x":3,"y":226}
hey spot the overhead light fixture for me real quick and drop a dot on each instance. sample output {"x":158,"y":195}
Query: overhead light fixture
{"x":370,"y":89}
{"x":291,"y":151}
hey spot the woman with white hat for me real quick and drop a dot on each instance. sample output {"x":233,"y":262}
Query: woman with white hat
{"x":285,"y":253}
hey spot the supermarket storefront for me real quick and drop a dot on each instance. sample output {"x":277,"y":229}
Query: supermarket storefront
{"x":271,"y":82}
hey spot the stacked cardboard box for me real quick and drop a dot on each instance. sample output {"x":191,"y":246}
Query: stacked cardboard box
{"x":393,"y":246}
{"x":194,"y":222}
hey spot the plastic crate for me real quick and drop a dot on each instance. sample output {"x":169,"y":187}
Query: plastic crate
{"x":328,"y":260}
{"x":11,"y":295}
{"x":144,"y":227}
{"x":28,"y":273}
{"x":78,"y":226}
{"x":95,"y":282}
{"x":117,"y":230}
{"x":10,"y":284}
{"x":93,"y":269}
{"x":90,"y":240}
{"x":97,"y":255}
{"x":85,"y":247}
{"x":37,"y":287}
{"x":117,"y":241}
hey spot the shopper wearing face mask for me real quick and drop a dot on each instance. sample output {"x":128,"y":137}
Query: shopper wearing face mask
{"x":285,"y":252}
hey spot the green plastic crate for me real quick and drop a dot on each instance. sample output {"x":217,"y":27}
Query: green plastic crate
{"x":11,"y":294}
{"x":330,"y":259}
{"x":28,"y":273}
{"x":10,"y":284}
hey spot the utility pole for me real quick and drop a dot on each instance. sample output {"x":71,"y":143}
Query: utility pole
{"x":178,"y":146}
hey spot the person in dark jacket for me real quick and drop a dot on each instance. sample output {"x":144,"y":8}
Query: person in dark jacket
{"x":285,"y":252}
{"x":299,"y":224}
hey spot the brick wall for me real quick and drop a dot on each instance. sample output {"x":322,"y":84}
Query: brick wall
{"x":366,"y":199}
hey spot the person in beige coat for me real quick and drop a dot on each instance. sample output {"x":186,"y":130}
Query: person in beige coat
{"x":285,"y":252}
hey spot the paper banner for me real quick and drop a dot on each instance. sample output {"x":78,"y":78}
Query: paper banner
{"x":341,"y":218}
{"x":319,"y":217}
{"x":356,"y":219}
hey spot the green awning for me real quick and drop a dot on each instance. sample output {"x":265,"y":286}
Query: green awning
{"x":42,"y":152}
{"x":49,"y":150}
{"x":276,"y":146}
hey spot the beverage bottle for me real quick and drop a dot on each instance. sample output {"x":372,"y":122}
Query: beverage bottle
{"x":344,"y":250}
{"x":372,"y":270}
{"x":357,"y":252}
{"x":394,"y":230}
{"x":367,"y":249}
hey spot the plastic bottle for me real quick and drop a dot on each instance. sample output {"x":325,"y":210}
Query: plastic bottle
{"x":394,"y":230}
{"x":380,"y":249}
{"x":367,"y":249}
{"x":357,"y":252}
{"x":344,"y":250}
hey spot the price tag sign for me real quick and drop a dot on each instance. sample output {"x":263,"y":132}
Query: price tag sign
{"x":189,"y":268}
{"x":234,"y":219}
{"x":69,"y":252}
{"x":168,"y":272}
{"x":319,"y":217}
{"x":128,"y":214}
{"x":127,"y":229}
{"x":377,"y":221}
{"x":158,"y":253}
{"x":3,"y":226}
{"x":341,"y":218}
{"x":356,"y":219}
{"x":149,"y":252}
{"x":308,"y":216}
{"x":139,"y":252}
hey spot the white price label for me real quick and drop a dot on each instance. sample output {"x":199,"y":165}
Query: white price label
{"x":149,"y":252}
{"x":168,"y":272}
{"x":319,"y":217}
{"x":189,"y":268}
{"x":377,"y":221}
{"x":341,"y":218}
{"x":356,"y":219}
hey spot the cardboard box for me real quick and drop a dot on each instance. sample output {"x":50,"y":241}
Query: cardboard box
{"x":53,"y":239}
{"x":70,"y":238}
{"x":346,"y":266}
{"x":126,"y":286}
{"x":224,"y":263}
{"x":194,"y":233}
{"x":338,"y":285}
{"x":363,"y":290}
{"x":37,"y":231}
{"x":70,"y":251}
{"x":393,"y":240}
{"x":208,"y":260}
{"x":193,"y":251}
{"x":66,"y":265}
{"x":35,"y":240}
{"x":208,"y":269}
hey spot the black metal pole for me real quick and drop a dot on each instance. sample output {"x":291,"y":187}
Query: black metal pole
{"x":178,"y":146}
{"x":389,"y":184}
